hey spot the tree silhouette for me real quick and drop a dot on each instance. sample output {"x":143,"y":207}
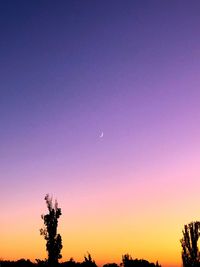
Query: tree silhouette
{"x":54,"y":240}
{"x":189,"y":243}
{"x":88,"y":261}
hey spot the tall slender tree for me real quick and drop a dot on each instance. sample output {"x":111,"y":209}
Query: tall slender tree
{"x":53,"y":239}
{"x":189,"y":243}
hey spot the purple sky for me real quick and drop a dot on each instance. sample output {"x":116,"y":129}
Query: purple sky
{"x":72,"y":69}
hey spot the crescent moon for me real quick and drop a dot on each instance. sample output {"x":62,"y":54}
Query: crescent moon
{"x":101,"y":135}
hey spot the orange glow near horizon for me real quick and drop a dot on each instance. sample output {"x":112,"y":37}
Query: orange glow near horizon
{"x":108,"y":229}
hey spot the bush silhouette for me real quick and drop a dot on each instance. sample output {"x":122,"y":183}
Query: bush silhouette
{"x":127,"y":261}
{"x":88,"y":262}
{"x":110,"y":265}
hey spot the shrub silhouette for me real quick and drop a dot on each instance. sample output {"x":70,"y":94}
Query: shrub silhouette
{"x":110,"y":265}
{"x":70,"y":263}
{"x":189,"y":243}
{"x":54,"y":240}
{"x":18,"y":263}
{"x":41,"y":263}
{"x":88,"y":262}
{"x":127,"y":261}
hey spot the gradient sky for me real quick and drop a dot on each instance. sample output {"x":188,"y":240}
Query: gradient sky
{"x":72,"y":69}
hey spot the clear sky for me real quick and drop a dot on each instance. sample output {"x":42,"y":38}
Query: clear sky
{"x":70,"y":70}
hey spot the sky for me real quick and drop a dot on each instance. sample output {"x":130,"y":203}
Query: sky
{"x":70,"y":70}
